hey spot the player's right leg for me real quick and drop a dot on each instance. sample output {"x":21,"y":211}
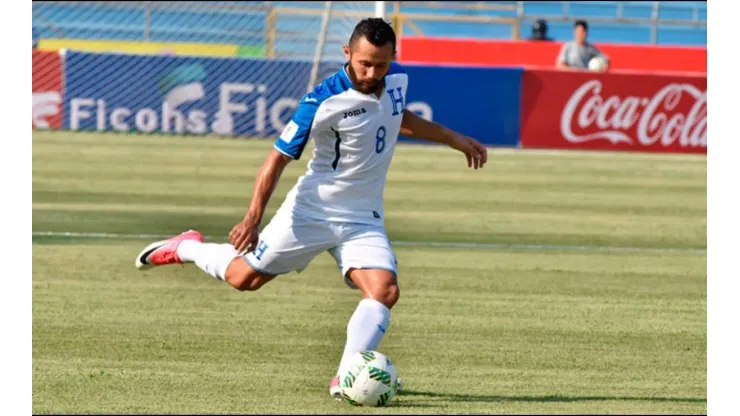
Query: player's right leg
{"x":368,"y":263}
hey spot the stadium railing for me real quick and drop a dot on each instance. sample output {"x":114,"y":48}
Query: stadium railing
{"x":614,"y":21}
{"x":294,"y":29}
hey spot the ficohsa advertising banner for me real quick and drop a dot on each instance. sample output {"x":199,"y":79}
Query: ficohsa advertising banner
{"x":46,"y":90}
{"x":614,"y":111}
{"x":181,"y":95}
{"x":257,"y":97}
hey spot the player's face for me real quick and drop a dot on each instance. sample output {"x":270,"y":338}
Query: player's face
{"x":368,"y":64}
{"x":580,"y":34}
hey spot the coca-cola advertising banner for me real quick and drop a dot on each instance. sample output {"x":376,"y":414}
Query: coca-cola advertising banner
{"x":47,"y":90}
{"x":633,"y":112}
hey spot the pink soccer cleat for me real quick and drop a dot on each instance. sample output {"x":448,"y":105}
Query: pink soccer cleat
{"x":165,"y":251}
{"x":334,"y":389}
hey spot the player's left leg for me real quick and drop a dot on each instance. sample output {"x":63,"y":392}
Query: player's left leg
{"x":368,"y":263}
{"x":289,"y":242}
{"x":221,"y":261}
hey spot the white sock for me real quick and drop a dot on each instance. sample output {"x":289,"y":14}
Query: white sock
{"x":211,"y":258}
{"x":364,"y":329}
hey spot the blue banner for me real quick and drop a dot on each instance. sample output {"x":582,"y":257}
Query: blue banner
{"x":483,"y":103}
{"x":256,"y":97}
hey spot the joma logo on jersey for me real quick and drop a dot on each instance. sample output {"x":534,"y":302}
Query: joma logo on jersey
{"x":354,"y":112}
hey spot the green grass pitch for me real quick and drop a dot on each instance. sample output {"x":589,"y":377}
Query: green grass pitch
{"x":547,"y":322}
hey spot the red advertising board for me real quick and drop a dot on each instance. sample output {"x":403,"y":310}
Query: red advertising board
{"x":47,"y":90}
{"x":530,"y":53}
{"x":634,"y":112}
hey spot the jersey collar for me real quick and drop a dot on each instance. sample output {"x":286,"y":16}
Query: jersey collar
{"x":344,"y":77}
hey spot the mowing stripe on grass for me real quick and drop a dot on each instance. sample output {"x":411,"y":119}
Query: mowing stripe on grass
{"x":435,"y":244}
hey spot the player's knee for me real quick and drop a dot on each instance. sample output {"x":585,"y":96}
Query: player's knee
{"x":251,"y":284}
{"x":247,"y":280}
{"x":388,"y":294}
{"x":247,"y":283}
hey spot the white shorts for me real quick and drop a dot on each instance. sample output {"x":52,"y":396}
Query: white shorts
{"x":290,"y":242}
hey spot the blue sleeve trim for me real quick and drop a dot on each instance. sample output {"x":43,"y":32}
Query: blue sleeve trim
{"x":282,"y":151}
{"x":294,"y":138}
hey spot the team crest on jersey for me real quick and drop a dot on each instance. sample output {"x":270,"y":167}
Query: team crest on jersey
{"x":353,"y":113}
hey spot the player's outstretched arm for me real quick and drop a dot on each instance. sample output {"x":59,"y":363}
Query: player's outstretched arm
{"x":288,"y":146}
{"x":418,"y":128}
{"x":245,"y":235}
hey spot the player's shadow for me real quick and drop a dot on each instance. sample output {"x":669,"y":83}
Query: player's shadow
{"x":547,"y":398}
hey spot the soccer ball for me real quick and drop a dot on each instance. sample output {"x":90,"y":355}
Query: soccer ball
{"x":597,"y":63}
{"x":369,"y":381}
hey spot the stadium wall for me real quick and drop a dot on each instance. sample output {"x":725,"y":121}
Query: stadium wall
{"x":242,"y":97}
{"x":439,"y":51}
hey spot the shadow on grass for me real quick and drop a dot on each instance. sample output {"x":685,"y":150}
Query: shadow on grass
{"x":412,"y":405}
{"x":549,"y":398}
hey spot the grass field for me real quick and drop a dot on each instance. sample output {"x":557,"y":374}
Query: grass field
{"x":544,"y":319}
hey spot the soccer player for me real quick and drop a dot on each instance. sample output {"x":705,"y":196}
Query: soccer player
{"x":354,"y":118}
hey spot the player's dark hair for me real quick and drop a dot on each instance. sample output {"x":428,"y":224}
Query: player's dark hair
{"x":376,"y":30}
{"x":581,"y":23}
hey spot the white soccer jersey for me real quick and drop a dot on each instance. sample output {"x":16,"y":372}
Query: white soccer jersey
{"x":354,"y":136}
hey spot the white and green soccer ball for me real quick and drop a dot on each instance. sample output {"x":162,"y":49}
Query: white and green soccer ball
{"x":370,"y":380}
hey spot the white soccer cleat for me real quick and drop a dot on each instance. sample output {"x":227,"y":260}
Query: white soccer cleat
{"x":165,"y":251}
